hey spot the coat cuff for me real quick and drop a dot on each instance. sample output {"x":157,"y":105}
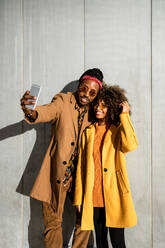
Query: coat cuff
{"x":37,"y":119}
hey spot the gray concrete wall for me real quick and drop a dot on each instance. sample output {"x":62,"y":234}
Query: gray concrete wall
{"x":51,"y":43}
{"x":158,"y":118}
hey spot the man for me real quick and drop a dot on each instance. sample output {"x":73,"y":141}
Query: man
{"x":69,"y":116}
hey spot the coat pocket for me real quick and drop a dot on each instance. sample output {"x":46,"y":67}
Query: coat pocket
{"x":121,"y":182}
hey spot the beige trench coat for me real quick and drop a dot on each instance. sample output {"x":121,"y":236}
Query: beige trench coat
{"x":117,"y":195}
{"x":61,"y":111}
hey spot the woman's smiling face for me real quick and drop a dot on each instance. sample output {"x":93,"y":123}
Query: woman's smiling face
{"x":100,"y":109}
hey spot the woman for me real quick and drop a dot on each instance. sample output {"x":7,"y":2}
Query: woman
{"x":102,"y":188}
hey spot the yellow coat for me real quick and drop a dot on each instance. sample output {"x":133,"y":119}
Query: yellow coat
{"x":117,"y":196}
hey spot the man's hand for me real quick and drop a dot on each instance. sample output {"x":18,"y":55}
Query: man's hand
{"x":78,"y":207}
{"x":24,"y":101}
{"x":125,"y":107}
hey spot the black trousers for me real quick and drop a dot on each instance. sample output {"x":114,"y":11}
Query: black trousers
{"x":116,"y":234}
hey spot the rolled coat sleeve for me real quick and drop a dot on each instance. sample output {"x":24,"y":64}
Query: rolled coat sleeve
{"x":128,"y":139}
{"x":49,"y":112}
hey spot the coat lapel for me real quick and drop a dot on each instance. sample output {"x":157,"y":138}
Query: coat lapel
{"x":87,"y":219}
{"x":90,"y":138}
{"x":73,"y":113}
{"x":85,"y":124}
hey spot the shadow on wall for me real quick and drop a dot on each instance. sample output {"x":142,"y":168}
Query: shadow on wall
{"x":43,"y":132}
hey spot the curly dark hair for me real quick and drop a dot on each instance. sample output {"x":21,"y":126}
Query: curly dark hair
{"x":95,"y":72}
{"x":112,"y":96}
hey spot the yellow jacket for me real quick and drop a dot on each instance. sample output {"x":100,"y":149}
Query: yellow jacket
{"x":117,"y":196}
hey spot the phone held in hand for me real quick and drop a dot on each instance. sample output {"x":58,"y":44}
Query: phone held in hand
{"x":34,"y":91}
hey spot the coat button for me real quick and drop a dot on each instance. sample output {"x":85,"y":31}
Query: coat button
{"x":64,"y":162}
{"x":58,"y":181}
{"x":72,"y":143}
{"x":105,"y":169}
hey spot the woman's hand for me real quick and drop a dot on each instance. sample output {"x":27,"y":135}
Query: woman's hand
{"x":78,"y":207}
{"x":125,"y":107}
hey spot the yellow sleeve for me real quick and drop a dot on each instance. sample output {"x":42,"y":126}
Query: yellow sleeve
{"x":128,"y":139}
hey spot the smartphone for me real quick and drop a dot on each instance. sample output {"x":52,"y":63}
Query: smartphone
{"x":34,"y":91}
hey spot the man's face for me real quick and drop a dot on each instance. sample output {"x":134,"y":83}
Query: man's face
{"x":87,"y":91}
